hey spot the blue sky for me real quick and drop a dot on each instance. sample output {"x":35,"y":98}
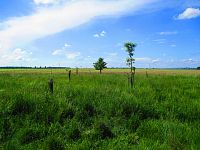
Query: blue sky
{"x":76,"y":33}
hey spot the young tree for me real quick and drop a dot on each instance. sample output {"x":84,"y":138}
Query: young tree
{"x":130,"y":48}
{"x":100,"y":64}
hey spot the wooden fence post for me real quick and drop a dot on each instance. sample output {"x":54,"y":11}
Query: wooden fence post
{"x":51,"y":86}
{"x":69,"y":74}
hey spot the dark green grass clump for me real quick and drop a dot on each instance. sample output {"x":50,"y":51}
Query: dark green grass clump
{"x":99,"y":112}
{"x":103,"y":131}
{"x":22,"y":107}
{"x":66,"y":114}
{"x":54,"y":144}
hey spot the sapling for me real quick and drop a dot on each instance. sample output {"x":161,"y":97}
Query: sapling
{"x":130,"y":48}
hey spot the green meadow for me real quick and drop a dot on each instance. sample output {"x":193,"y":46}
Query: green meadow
{"x":94,"y":111}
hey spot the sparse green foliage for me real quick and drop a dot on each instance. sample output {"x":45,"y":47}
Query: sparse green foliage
{"x":100,"y":65}
{"x":130,"y":48}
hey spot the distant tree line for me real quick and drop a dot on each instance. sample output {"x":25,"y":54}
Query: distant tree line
{"x":15,"y":67}
{"x":11,"y":67}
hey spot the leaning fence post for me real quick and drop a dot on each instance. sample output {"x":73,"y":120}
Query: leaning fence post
{"x":69,"y":74}
{"x":147,"y":74}
{"x":51,"y":86}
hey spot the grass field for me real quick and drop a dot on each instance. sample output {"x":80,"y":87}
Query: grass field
{"x":95,"y":111}
{"x":105,"y":71}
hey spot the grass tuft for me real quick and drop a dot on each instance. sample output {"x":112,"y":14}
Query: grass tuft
{"x":104,"y":132}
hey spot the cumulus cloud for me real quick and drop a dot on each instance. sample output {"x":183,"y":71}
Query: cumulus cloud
{"x":102,"y":34}
{"x":18,"y":55}
{"x":143,"y":59}
{"x":72,"y":55}
{"x":96,"y":35}
{"x":67,"y":45}
{"x":173,"y":45}
{"x":189,"y":13}
{"x":57,"y":52}
{"x":38,"y":2}
{"x":46,"y":21}
{"x":168,"y":33}
{"x":189,"y":60}
{"x":147,"y":60}
{"x":155,"y":60}
{"x":69,"y":54}
{"x":160,"y":41}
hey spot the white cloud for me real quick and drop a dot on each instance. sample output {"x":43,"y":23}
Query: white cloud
{"x":18,"y":31}
{"x":160,"y":41}
{"x":38,"y":2}
{"x":173,"y":45}
{"x":63,"y":52}
{"x":156,"y":60}
{"x":190,"y":60}
{"x":72,"y":55}
{"x":143,"y":59}
{"x":18,"y":55}
{"x":147,"y":60}
{"x":168,"y":33}
{"x":67,"y":45}
{"x":189,"y":13}
{"x":96,"y":35}
{"x":102,"y":34}
{"x":57,"y":52}
{"x":113,"y":54}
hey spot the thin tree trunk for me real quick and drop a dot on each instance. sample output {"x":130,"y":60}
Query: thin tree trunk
{"x":132,"y":80}
{"x":131,"y":65}
{"x":100,"y":71}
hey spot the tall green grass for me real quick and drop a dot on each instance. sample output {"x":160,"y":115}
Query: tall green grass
{"x":99,"y":112}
